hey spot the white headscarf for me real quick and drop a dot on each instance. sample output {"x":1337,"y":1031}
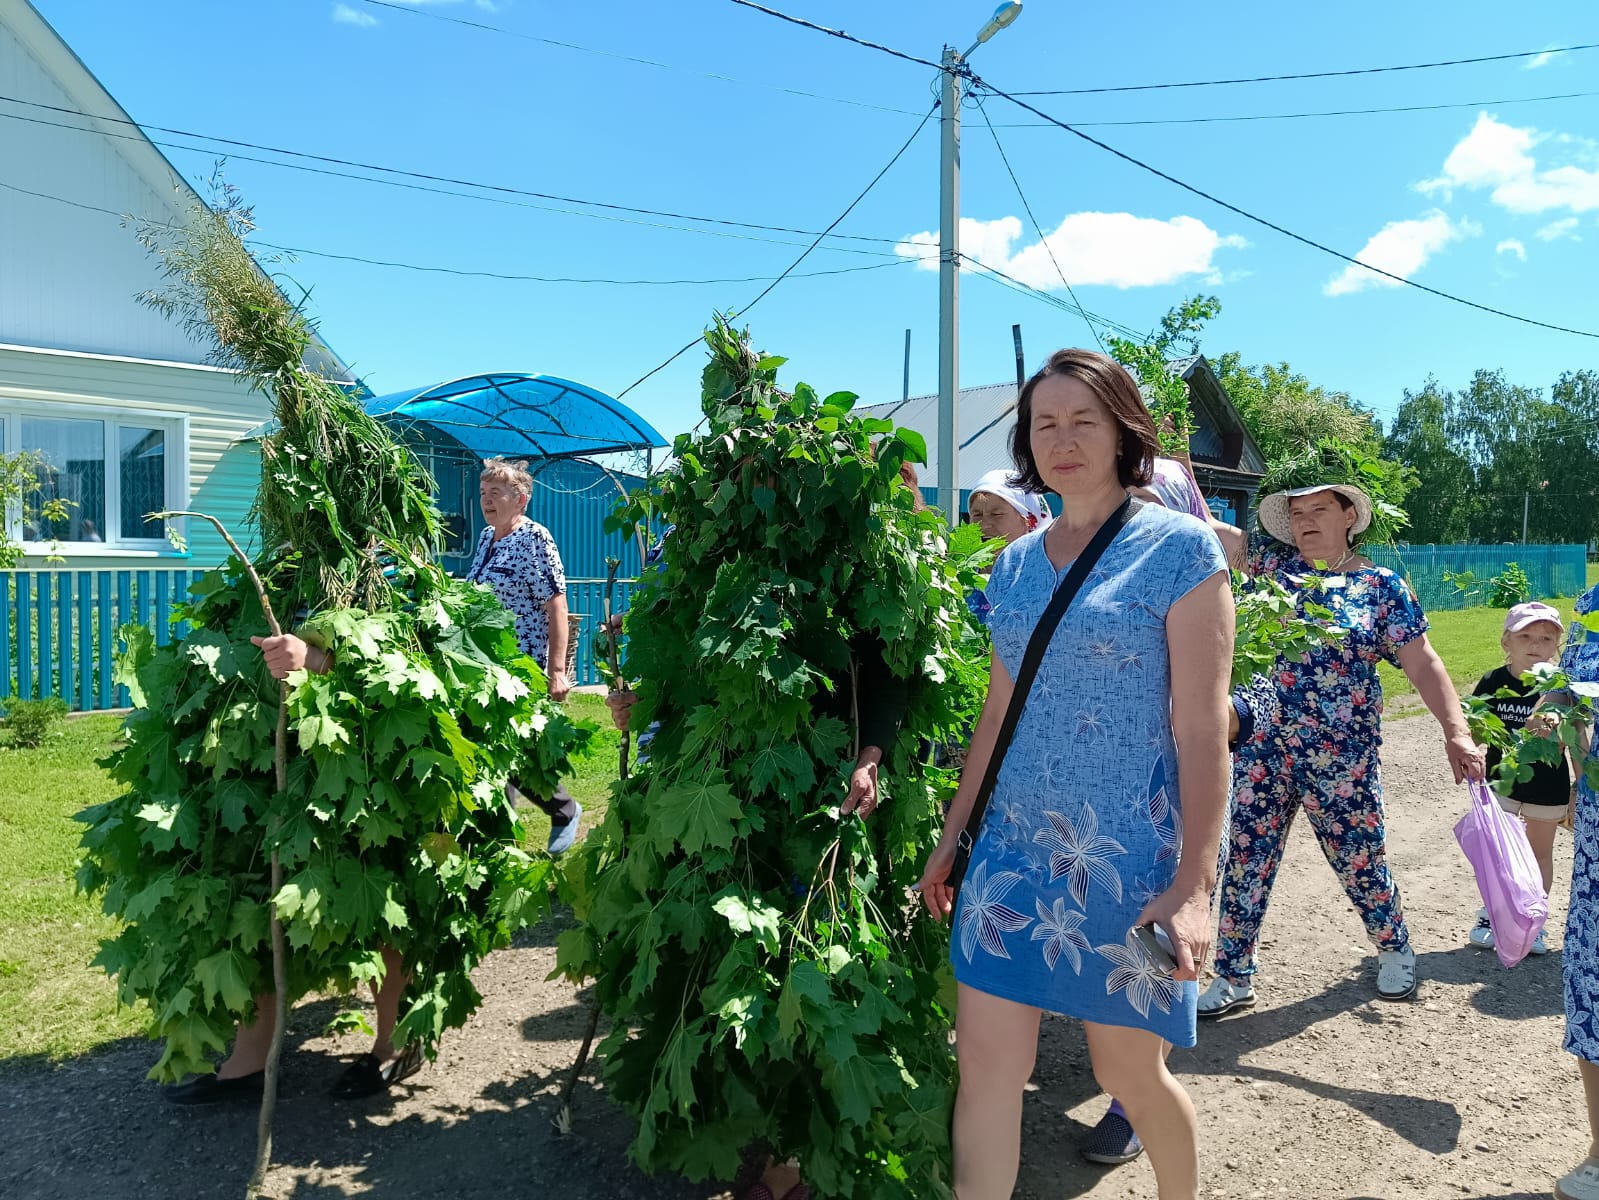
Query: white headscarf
{"x":1031,"y":505}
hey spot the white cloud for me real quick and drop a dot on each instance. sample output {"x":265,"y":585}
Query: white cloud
{"x":1401,"y":248}
{"x":1542,"y":60}
{"x":1117,"y":250}
{"x":1500,"y":157}
{"x":346,"y":15}
{"x":1512,"y":246}
{"x":1555,"y":230}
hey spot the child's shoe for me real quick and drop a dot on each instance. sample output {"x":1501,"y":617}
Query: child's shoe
{"x":1482,"y":933}
{"x":1539,"y":946}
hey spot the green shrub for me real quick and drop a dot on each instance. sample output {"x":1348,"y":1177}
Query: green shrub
{"x":31,"y":721}
{"x":1510,"y":587}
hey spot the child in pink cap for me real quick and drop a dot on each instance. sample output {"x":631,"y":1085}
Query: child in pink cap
{"x":1532,"y":635}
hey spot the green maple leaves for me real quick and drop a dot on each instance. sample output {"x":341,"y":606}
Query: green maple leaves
{"x":764,"y":973}
{"x":394,"y":830}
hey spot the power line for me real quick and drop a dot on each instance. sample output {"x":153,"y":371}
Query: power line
{"x":1288,"y":233}
{"x":1010,"y":282}
{"x":838,"y":33}
{"x":467,"y":272}
{"x":1147,"y":87}
{"x":977,"y":82}
{"x":484,"y":26}
{"x":505,"y":201}
{"x":767,"y":291}
{"x":1423,"y":66}
{"x":1294,"y":116}
{"x":501,"y":189}
{"x":1037,"y":228}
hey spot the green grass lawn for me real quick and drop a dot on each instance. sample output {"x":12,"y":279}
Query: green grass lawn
{"x":52,"y":1003}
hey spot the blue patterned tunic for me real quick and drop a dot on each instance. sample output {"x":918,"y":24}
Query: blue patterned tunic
{"x":1085,"y":825}
{"x":1580,"y":958}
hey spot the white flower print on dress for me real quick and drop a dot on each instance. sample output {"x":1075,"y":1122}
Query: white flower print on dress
{"x":1171,"y":837}
{"x":1140,"y":977}
{"x":1159,"y":803}
{"x":1080,"y":855}
{"x":1058,"y":929}
{"x":1103,"y":648}
{"x":1092,"y":721}
{"x":985,"y":918}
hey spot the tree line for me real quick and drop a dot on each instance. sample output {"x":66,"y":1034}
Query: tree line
{"x":1490,"y":462}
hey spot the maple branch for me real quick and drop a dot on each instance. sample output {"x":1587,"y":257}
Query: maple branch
{"x":280,"y":771}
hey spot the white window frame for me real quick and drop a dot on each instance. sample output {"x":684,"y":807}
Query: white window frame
{"x":173,"y":423}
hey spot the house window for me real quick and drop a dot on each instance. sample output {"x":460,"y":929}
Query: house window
{"x":72,"y":469}
{"x":109,"y":469}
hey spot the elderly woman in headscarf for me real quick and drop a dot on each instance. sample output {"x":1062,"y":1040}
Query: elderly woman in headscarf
{"x":1002,"y":510}
{"x":1321,"y":753}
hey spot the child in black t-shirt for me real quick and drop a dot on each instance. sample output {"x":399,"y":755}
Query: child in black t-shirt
{"x":1532,"y":635}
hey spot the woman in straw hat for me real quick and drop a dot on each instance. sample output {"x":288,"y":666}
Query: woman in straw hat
{"x":1321,"y":754}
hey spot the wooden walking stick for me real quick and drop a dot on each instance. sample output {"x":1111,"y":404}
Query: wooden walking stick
{"x":563,"y":1116}
{"x":280,"y":980}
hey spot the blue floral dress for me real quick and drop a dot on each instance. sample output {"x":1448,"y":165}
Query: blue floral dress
{"x":1320,"y":754}
{"x":1085,"y":824}
{"x":1580,"y":958}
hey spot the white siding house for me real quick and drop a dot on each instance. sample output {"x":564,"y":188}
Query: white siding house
{"x":119,"y":399}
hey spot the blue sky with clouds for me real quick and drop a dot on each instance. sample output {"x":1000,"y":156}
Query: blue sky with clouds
{"x":1493,"y":200}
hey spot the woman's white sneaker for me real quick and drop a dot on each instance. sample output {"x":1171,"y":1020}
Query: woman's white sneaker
{"x":1581,"y":1184}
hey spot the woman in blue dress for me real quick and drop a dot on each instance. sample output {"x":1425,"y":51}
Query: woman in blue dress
{"x":1580,"y":957}
{"x":1097,"y":825}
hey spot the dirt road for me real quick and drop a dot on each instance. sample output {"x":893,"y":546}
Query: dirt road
{"x":1323,"y":1091}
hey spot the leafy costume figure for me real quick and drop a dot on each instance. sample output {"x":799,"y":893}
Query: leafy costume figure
{"x":393,"y":828}
{"x":767,"y":983}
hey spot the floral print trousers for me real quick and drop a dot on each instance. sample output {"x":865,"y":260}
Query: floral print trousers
{"x":1344,"y":806}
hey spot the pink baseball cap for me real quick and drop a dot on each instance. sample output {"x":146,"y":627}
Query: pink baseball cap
{"x":1523,"y":615}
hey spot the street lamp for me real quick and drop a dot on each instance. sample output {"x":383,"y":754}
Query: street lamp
{"x":949,"y":260}
{"x":1003,"y":17}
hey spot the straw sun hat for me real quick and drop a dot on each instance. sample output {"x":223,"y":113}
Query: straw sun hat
{"x":1273,"y":511}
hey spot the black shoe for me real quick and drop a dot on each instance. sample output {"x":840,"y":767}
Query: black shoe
{"x":208,"y":1089}
{"x":366,"y":1076}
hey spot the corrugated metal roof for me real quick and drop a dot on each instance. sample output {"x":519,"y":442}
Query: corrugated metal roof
{"x":985,"y":417}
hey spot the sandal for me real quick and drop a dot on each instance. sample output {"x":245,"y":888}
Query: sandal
{"x":1223,"y":996}
{"x":1396,"y":974}
{"x":366,"y":1076}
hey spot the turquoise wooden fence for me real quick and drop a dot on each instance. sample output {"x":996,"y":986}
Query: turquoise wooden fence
{"x":58,"y":629}
{"x":1552,"y":570}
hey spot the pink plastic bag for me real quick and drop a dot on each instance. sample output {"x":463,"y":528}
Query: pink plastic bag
{"x":1495,"y":843}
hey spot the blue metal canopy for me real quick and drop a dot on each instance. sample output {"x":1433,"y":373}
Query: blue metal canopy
{"x":515,"y":415}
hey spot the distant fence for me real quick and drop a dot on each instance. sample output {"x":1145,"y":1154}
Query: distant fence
{"x":1553,"y":570}
{"x":58,"y":628}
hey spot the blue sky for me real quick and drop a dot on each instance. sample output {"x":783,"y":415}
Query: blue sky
{"x":1496,"y":202}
